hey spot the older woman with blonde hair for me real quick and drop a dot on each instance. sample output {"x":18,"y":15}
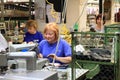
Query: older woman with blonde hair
{"x":53,"y":47}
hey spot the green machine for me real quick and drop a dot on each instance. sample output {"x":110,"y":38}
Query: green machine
{"x":100,"y":57}
{"x":112,"y":28}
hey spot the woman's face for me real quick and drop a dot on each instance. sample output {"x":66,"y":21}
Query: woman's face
{"x":31,"y":30}
{"x":50,"y":36}
{"x":99,"y":20}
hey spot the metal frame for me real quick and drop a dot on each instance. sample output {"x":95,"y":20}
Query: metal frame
{"x":116,"y":63}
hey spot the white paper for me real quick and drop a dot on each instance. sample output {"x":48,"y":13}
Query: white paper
{"x":3,"y":43}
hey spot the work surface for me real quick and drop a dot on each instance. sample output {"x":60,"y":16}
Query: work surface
{"x":22,"y":74}
{"x":79,"y":73}
{"x":58,"y":74}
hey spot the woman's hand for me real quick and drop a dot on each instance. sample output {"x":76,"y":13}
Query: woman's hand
{"x":30,"y":42}
{"x":52,"y":56}
{"x":40,"y":55}
{"x":67,"y":59}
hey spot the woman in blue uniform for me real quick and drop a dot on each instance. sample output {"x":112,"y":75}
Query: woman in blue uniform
{"x":32,"y":35}
{"x":54,"y":48}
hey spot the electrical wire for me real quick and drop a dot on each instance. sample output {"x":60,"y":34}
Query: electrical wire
{"x":56,"y":51}
{"x":52,"y":12}
{"x":89,"y":70}
{"x":75,"y":26}
{"x":82,"y":11}
{"x":78,"y":65}
{"x":49,"y":2}
{"x":94,"y":68}
{"x":64,"y":12}
{"x":63,"y":18}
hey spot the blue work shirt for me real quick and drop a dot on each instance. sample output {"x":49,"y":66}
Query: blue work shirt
{"x":37,"y":37}
{"x":46,"y":48}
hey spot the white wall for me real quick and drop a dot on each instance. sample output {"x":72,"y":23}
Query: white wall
{"x":72,"y":12}
{"x":83,"y":15}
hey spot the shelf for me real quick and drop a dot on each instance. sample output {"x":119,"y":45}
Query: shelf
{"x":16,"y":10}
{"x":96,"y":62}
{"x":15,"y":13}
{"x":20,"y":5}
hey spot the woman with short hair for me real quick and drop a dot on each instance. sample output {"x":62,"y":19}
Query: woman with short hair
{"x":32,"y":34}
{"x":53,"y":47}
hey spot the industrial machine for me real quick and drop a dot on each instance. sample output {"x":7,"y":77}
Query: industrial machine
{"x":26,"y":65}
{"x":28,"y":72}
{"x":2,"y":27}
{"x":14,"y":53}
{"x":29,"y":56}
{"x":19,"y":47}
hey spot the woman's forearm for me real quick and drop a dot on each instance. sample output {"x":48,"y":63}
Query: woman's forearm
{"x":64,"y":59}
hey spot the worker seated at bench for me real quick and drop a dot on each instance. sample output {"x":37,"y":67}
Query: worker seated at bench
{"x":54,"y":48}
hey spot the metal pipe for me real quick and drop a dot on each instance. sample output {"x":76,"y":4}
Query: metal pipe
{"x":100,"y":6}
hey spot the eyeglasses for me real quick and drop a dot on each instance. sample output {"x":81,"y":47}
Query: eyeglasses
{"x":50,"y":33}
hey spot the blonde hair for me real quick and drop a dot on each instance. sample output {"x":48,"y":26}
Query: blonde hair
{"x":53,"y":27}
{"x":31,"y":23}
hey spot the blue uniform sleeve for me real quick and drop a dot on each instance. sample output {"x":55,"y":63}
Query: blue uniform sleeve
{"x":67,"y":49}
{"x":40,"y":46}
{"x":40,"y":37}
{"x":33,"y":37}
{"x":26,"y":38}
